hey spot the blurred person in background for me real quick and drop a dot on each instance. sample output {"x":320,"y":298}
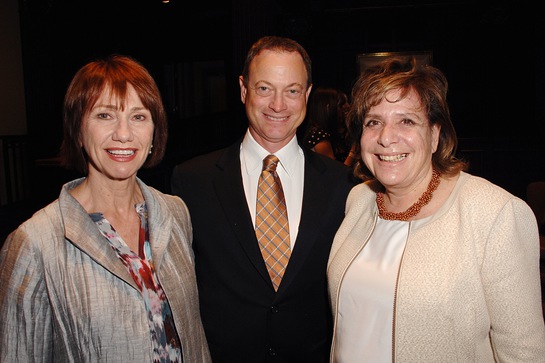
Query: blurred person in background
{"x":326,"y":125}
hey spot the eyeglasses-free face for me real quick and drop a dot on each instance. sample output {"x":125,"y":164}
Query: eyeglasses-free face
{"x":117,"y":139}
{"x":275,"y":97}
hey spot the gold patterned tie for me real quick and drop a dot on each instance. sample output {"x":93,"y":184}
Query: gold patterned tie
{"x":271,"y":222}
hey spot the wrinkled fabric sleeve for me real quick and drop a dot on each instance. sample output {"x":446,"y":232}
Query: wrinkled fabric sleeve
{"x":25,"y":314}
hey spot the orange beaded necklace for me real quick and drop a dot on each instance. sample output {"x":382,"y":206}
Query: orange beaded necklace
{"x":413,"y":209}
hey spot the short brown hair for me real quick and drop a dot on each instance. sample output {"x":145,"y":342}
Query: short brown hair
{"x":405,"y":74}
{"x":277,"y":44}
{"x":114,"y":72}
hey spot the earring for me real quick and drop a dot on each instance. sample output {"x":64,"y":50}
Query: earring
{"x":151,"y":147}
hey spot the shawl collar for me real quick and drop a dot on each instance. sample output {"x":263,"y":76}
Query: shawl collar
{"x":160,"y":223}
{"x":82,"y":232}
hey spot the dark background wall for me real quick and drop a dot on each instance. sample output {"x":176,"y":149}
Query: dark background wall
{"x":493,"y":56}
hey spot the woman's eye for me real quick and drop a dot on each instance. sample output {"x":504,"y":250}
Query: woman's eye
{"x":140,"y":117}
{"x":103,"y":116}
{"x":407,"y":121}
{"x":370,"y":123}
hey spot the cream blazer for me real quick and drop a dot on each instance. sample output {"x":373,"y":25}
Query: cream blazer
{"x":66,"y":297}
{"x":468,"y":288}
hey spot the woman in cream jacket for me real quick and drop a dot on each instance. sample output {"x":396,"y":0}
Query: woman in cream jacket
{"x":430,"y":264}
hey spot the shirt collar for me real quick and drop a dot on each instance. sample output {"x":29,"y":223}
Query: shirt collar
{"x":253,"y":154}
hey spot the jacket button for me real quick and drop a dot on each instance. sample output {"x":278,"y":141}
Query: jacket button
{"x":272,"y":352}
{"x":274,"y":309}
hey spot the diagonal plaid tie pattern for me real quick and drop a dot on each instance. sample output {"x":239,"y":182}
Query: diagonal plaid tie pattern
{"x":271,"y":223}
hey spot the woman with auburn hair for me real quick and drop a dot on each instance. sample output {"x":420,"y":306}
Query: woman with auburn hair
{"x":105,"y":272}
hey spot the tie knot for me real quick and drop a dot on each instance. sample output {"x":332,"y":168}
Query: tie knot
{"x":270,"y":162}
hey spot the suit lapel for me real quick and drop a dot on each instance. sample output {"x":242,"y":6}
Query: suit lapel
{"x":230,"y":193}
{"x":312,"y":213}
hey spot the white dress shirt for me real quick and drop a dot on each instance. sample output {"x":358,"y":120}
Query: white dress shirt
{"x":290,"y":169}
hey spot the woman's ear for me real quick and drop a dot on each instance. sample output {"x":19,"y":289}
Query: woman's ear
{"x":435,"y":132}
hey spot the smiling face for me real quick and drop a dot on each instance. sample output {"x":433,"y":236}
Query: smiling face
{"x":117,"y":141}
{"x":275,"y":97}
{"x":398,"y":141}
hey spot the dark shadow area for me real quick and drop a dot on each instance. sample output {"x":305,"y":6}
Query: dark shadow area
{"x":492,"y":54}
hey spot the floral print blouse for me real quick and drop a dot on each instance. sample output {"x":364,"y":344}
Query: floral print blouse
{"x":165,"y":340}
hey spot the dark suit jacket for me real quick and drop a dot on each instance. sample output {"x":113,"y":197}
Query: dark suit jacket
{"x":244,"y":319}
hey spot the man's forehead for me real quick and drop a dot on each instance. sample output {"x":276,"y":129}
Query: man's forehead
{"x":270,"y":65}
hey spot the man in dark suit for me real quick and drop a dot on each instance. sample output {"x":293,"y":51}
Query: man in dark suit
{"x":245,"y":318}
